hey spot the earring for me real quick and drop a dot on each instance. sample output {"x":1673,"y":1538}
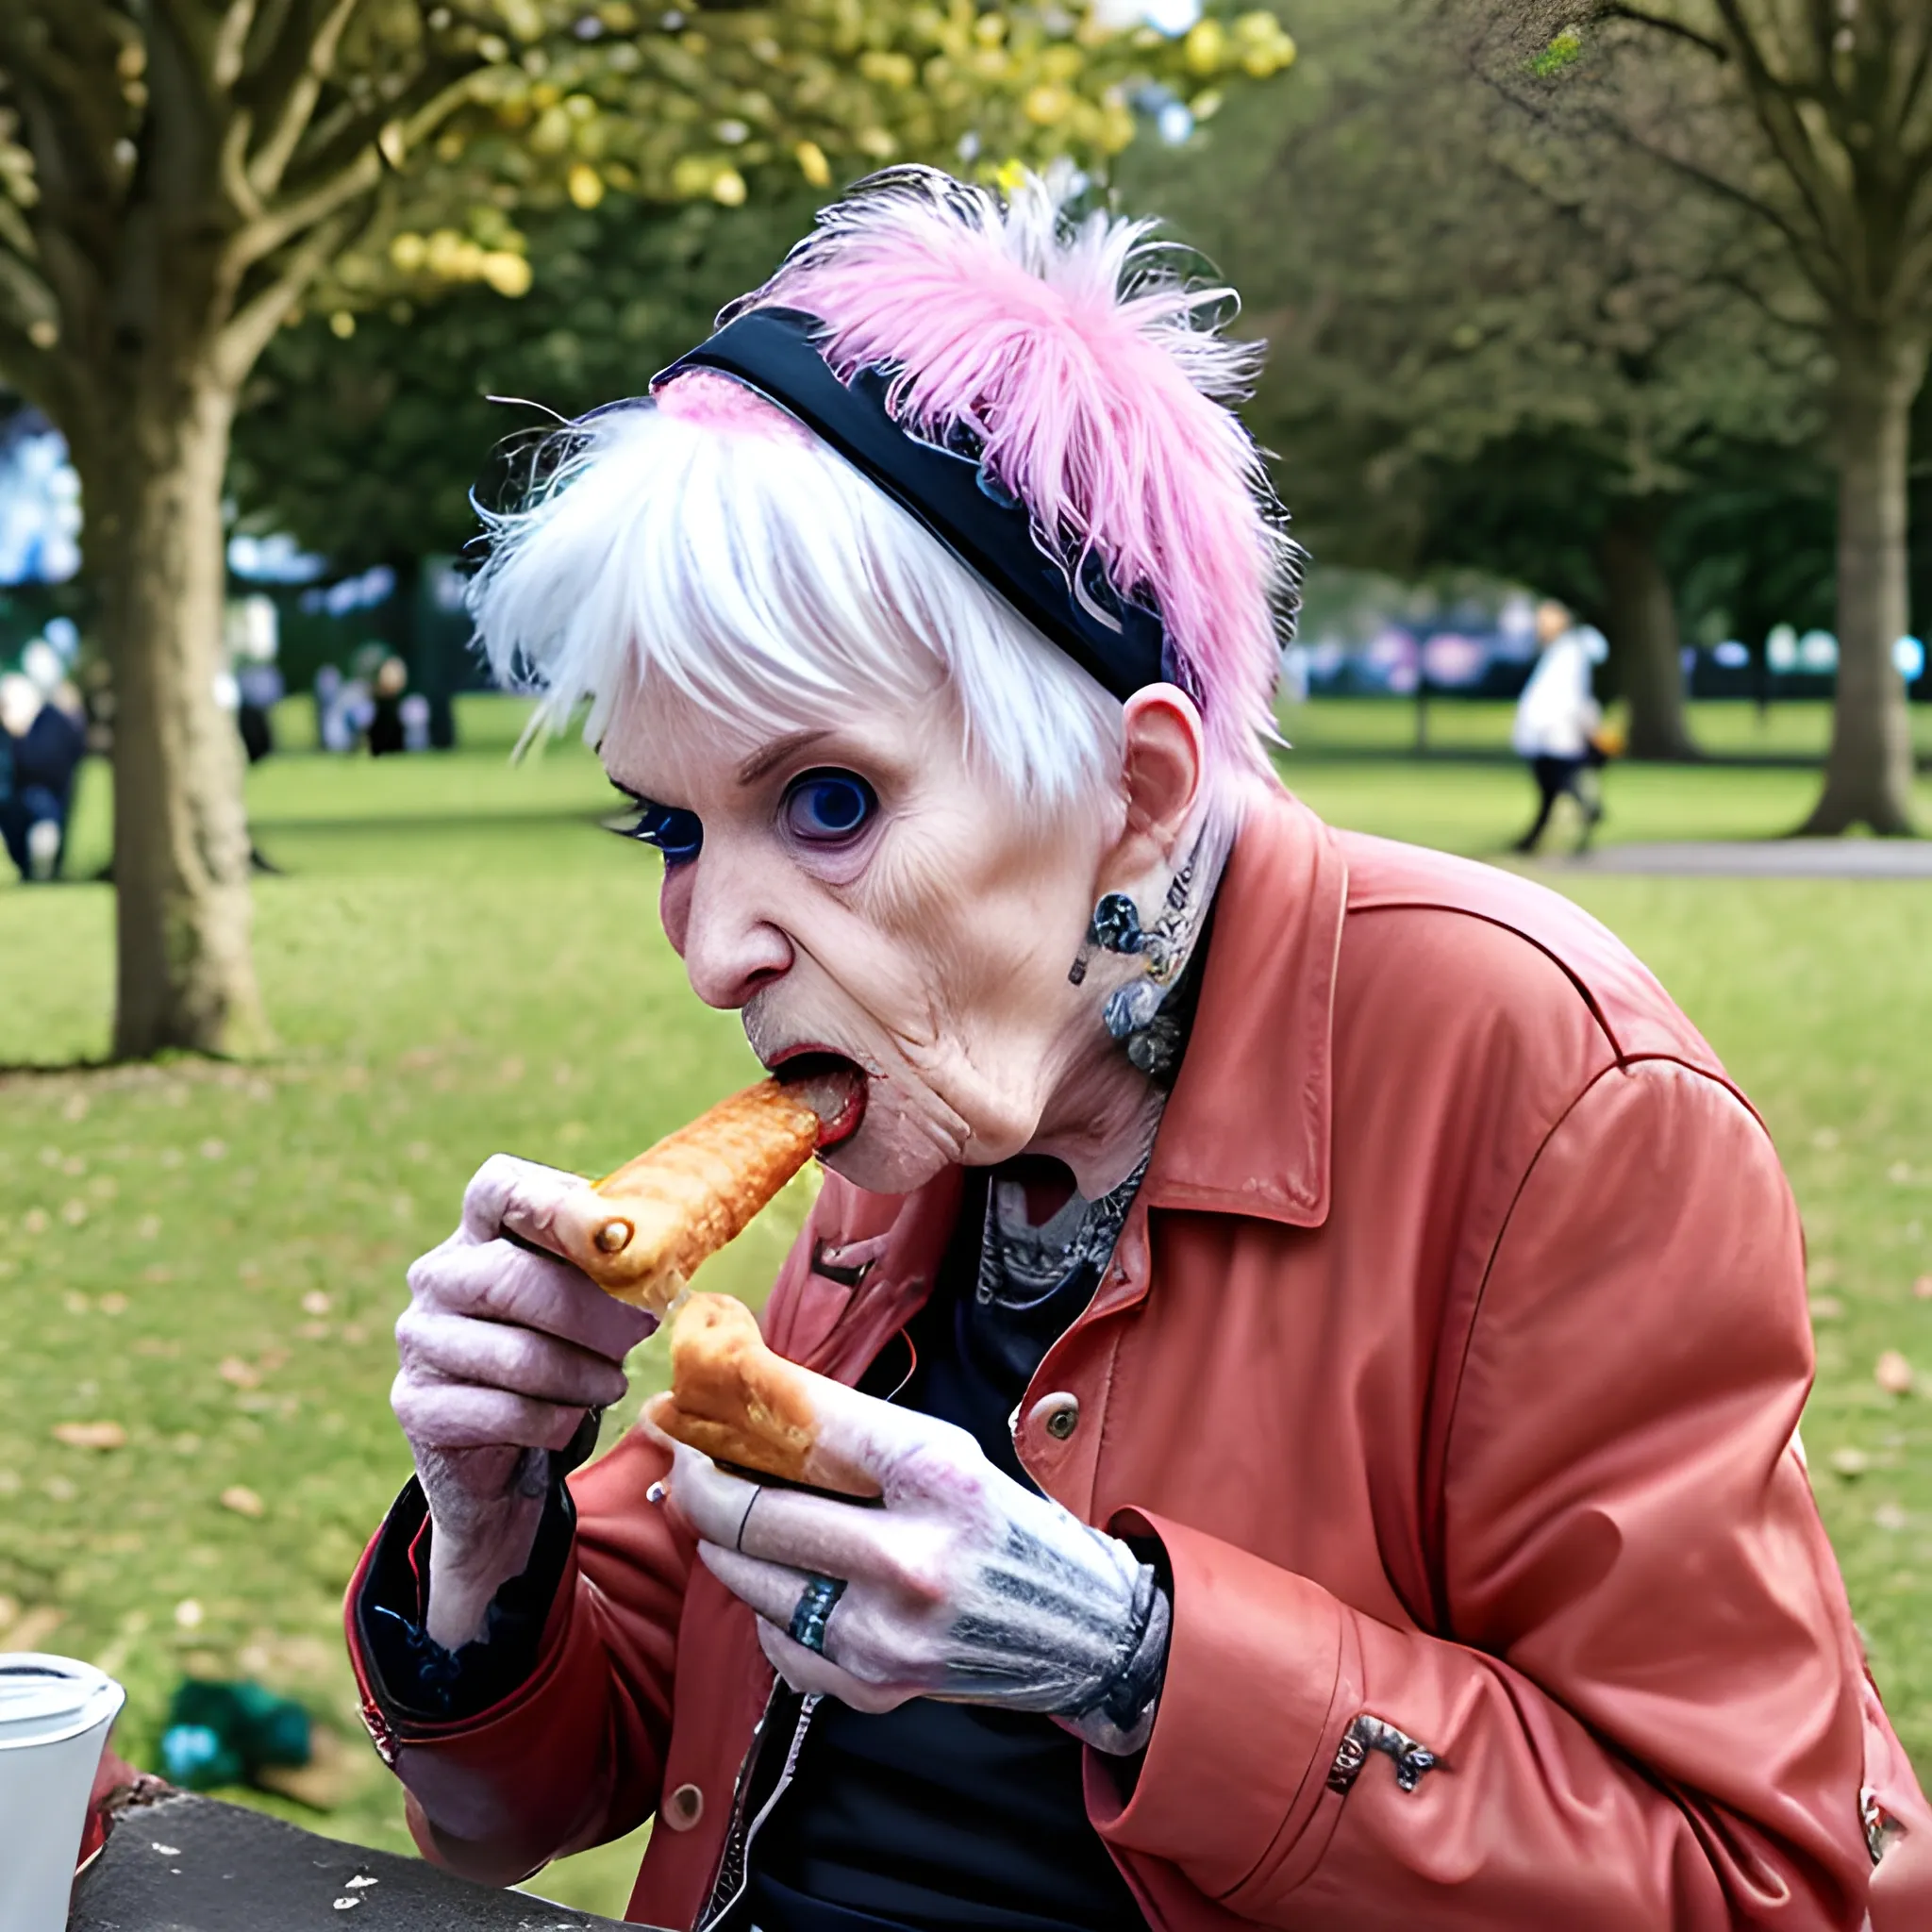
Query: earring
{"x":1115,"y":927}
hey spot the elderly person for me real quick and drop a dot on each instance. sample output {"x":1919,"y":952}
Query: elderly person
{"x":1328,"y":1335}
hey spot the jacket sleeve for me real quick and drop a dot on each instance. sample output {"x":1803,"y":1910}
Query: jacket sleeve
{"x":1643,"y":1708}
{"x":574,"y":1755}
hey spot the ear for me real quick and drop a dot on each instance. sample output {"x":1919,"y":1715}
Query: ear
{"x":1160,"y":772}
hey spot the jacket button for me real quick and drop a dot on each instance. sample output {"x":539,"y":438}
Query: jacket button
{"x":1058,"y":1414}
{"x":684,"y":1807}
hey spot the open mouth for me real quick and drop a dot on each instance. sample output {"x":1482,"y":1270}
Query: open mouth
{"x":831,"y":1084}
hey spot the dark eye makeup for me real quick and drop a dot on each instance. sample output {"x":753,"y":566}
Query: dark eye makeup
{"x":678,"y":833}
{"x":827,"y":807}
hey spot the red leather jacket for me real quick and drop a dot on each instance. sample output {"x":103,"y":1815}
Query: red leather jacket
{"x":1454,"y":1350}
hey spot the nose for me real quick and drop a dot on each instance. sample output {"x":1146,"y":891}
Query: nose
{"x":731,"y":947}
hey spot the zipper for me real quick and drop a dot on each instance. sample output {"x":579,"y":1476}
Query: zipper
{"x":734,"y":1863}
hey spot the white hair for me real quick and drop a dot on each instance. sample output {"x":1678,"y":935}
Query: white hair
{"x":761,"y":576}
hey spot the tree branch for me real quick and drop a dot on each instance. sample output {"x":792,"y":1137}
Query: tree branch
{"x":249,"y":331}
{"x":230,"y":46}
{"x":1771,"y":100}
{"x":276,"y":230}
{"x":290,"y":117}
{"x":1638,"y":16}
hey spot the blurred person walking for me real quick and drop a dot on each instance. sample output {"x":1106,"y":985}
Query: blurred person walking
{"x":1557,"y":722}
{"x":42,"y":744}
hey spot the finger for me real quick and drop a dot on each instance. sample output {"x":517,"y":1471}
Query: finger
{"x":771,"y":1589}
{"x":519,"y":1195}
{"x":498,"y":1281}
{"x":807,"y":1672}
{"x":813,"y":1534}
{"x":911,"y":1457}
{"x":456,"y":1415}
{"x":455,"y":1348}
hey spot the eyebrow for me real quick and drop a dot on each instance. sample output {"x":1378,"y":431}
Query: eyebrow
{"x":755,"y":767}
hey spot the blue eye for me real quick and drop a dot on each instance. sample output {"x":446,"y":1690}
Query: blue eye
{"x":679,"y":835}
{"x":828,"y":808}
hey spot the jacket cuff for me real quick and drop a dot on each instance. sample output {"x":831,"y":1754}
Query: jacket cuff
{"x":1261,"y":1667}
{"x":415,"y":1679}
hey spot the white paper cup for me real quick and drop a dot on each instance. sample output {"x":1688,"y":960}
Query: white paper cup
{"x":54,"y":1719}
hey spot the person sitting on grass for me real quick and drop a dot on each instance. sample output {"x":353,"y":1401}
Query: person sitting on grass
{"x":1329,"y":1336}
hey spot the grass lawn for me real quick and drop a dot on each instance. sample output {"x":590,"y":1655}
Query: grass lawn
{"x":458,"y":961}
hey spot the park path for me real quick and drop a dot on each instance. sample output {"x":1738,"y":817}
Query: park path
{"x":1765,"y":859}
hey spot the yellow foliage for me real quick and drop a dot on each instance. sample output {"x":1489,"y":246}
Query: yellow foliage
{"x":584,"y":185}
{"x":1045,"y":107}
{"x":889,"y":70}
{"x":728,"y":189}
{"x":507,"y":273}
{"x":812,"y":163}
{"x":407,"y":253}
{"x":342,"y":325}
{"x":1206,"y":47}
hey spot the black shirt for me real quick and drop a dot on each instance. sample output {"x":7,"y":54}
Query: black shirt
{"x":952,"y":1815}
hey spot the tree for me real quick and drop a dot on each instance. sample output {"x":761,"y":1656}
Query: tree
{"x":1487,"y":347}
{"x":1812,"y":119}
{"x":177,"y":177}
{"x":365,"y":445}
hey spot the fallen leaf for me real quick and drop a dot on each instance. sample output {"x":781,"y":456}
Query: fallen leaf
{"x":91,"y":1435}
{"x":1923,"y":1288}
{"x":1893,"y":1373}
{"x":232,"y":1368}
{"x":188,"y":1614}
{"x":113,"y":1302}
{"x":241,"y":1500}
{"x":1827,"y":1307}
{"x":315,"y":1302}
{"x":1890,"y":1516}
{"x":1850,"y":1462}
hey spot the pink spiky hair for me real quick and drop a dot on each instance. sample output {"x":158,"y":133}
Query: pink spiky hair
{"x":1098,"y":386}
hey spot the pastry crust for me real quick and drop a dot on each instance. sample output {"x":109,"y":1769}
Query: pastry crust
{"x":641,"y":1232}
{"x":734,"y":1400}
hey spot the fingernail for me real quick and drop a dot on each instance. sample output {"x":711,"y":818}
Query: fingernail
{"x":656,"y":1493}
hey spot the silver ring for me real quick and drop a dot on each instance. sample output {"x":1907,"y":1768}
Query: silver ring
{"x":814,"y":1611}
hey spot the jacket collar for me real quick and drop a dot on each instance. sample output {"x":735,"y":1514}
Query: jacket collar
{"x":1246,"y":1128}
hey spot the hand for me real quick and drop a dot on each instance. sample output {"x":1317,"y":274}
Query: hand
{"x":962,"y":1586}
{"x":503,"y":1351}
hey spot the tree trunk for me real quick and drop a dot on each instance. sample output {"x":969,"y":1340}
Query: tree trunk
{"x":1868,"y":777}
{"x":1641,"y":615}
{"x":153,"y":488}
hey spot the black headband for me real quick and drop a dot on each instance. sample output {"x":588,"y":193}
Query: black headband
{"x":775,"y":351}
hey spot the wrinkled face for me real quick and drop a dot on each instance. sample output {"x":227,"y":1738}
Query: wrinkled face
{"x":862,"y":890}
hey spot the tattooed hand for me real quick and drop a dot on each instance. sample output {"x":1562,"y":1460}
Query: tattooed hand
{"x":962,"y":1586}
